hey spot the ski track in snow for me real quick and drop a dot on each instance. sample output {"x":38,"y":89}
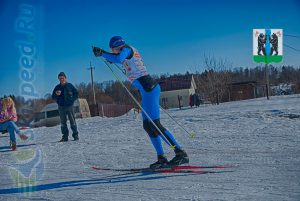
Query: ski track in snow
{"x":259,"y":137}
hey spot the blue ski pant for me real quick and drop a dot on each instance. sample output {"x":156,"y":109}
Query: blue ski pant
{"x":150,"y":104}
{"x":12,"y":129}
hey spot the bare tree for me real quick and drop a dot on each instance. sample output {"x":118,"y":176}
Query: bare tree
{"x":85,"y":91}
{"x":215,"y":81}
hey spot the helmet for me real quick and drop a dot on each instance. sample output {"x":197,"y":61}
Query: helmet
{"x":116,"y":41}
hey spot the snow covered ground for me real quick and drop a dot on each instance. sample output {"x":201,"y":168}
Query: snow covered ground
{"x":260,"y":138}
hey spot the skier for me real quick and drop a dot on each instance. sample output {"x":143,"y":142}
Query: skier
{"x":149,"y":89}
{"x":65,"y":94}
{"x":8,"y":117}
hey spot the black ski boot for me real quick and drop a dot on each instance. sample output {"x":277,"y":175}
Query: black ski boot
{"x":161,"y":162}
{"x":63,"y":139}
{"x":76,"y":137}
{"x":180,"y":158}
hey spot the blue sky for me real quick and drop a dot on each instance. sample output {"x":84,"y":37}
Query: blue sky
{"x":172,"y":36}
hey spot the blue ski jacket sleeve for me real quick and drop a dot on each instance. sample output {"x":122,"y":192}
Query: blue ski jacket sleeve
{"x":125,"y":53}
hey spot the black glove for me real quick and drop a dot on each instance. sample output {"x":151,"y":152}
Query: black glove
{"x":97,"y":51}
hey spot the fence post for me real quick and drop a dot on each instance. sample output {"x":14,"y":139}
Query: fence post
{"x":179,"y":101}
{"x":102,"y":110}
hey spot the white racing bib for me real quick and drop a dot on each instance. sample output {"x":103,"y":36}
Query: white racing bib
{"x":134,"y":67}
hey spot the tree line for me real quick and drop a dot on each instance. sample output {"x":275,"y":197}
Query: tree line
{"x":213,"y":82}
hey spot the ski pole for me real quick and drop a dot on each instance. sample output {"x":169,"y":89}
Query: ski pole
{"x":134,"y":99}
{"x":192,"y":134}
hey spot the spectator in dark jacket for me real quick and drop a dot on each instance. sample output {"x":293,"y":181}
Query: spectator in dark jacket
{"x":191,"y":100}
{"x":65,"y":94}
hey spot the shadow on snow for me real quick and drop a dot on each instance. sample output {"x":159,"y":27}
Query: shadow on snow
{"x":113,"y":179}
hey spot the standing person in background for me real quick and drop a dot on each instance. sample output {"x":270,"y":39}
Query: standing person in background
{"x":8,"y":117}
{"x":65,"y":95}
{"x":191,"y":101}
{"x":150,"y":90}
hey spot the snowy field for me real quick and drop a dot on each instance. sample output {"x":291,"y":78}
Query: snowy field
{"x":260,"y":138}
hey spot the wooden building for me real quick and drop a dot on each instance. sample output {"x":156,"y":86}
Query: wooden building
{"x":243,"y":90}
{"x":176,"y":91}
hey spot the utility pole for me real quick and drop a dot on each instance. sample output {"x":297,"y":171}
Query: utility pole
{"x":267,"y":41}
{"x":267,"y":81}
{"x":92,"y":78}
{"x":267,"y":58}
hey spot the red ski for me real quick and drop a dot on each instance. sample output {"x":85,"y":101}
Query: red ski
{"x":174,"y":169}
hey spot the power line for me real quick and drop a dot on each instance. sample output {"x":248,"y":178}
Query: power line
{"x":294,"y":36}
{"x":286,"y":45}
